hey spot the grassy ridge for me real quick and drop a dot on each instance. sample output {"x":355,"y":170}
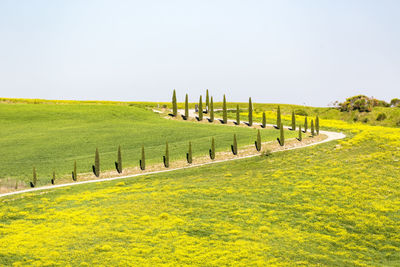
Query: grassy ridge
{"x":51,"y":137}
{"x":333,"y":204}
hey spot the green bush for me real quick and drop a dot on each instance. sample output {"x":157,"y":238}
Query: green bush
{"x":381,"y":117}
{"x":300,"y":112}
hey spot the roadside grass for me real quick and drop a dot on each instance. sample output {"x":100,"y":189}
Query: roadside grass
{"x":332,"y":204}
{"x":50,"y":137}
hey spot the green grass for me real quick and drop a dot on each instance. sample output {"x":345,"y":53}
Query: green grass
{"x":50,"y":137}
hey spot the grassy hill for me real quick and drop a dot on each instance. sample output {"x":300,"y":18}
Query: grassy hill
{"x":333,"y":204}
{"x":50,"y":135}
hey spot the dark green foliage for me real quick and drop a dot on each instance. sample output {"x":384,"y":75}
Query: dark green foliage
{"x":186,"y":107}
{"x":54,"y":178}
{"x":166,"y":156}
{"x":264,"y":121}
{"x":300,"y":112}
{"x":312,"y":128}
{"x":96,"y":166}
{"x":224,"y":111}
{"x":281,"y":139}
{"x":317,"y":125}
{"x":142,"y":162}
{"x":237,"y":115}
{"x":118,"y":163}
{"x":207,"y":101}
{"x":234,"y":146}
{"x":300,"y":134}
{"x":258,"y":141}
{"x":395,"y":102}
{"x":211,"y":110}
{"x":74,"y":173}
{"x":212,"y":149}
{"x":361,"y":103}
{"x":250,"y":112}
{"x":189,"y":154}
{"x":381,"y":117}
{"x":305,"y":124}
{"x":34,"y":180}
{"x":200,"y":109}
{"x":278,"y":117}
{"x":174,"y":104}
{"x":293,"y":121}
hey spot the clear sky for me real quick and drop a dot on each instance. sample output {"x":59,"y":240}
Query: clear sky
{"x":299,"y":51}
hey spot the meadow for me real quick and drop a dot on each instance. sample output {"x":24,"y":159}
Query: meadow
{"x":51,"y":136}
{"x":333,"y":204}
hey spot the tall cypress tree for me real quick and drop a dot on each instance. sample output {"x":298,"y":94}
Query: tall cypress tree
{"x":278,"y":117}
{"x":211,"y":110}
{"x":143,"y":160}
{"x":186,"y":107}
{"x":200,"y":109}
{"x":118,"y":163}
{"x":305,"y":124}
{"x":282,"y":136}
{"x":317,"y":125}
{"x":237,"y":115}
{"x":300,"y":135}
{"x":54,"y":178}
{"x":293,"y":121}
{"x":224,"y":111}
{"x":264,"y":120}
{"x":250,"y":112}
{"x":207,"y":102}
{"x":74,"y":173}
{"x":166,"y":157}
{"x":258,"y":141}
{"x":96,"y":166}
{"x":34,"y":178}
{"x":212,"y":150}
{"x":189,"y":154}
{"x":174,"y":104}
{"x":234,"y":146}
{"x":312,"y":128}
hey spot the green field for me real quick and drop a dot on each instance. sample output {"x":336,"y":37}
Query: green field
{"x":51,"y":136}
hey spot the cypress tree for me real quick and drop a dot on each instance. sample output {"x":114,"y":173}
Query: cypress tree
{"x":293,"y":121}
{"x":234,"y":146}
{"x":258,"y":141}
{"x":312,"y":128}
{"x":317,"y":125}
{"x":250,"y":112}
{"x":54,"y":178}
{"x":189,"y":154}
{"x":166,"y":157}
{"x":174,"y":104}
{"x":278,"y":117}
{"x":143,"y":160}
{"x":305,"y":124}
{"x":96,"y":166}
{"x":212,"y":150}
{"x":211,"y":110}
{"x":300,"y":135}
{"x":200,"y":109}
{"x":264,"y":120}
{"x":186,"y":107}
{"x":207,"y":101}
{"x":224,"y":111}
{"x":118,"y":163}
{"x":237,"y":115}
{"x":281,"y":139}
{"x":74,"y":173}
{"x":34,"y":180}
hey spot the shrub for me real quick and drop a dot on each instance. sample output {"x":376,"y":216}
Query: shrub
{"x":305,"y":124}
{"x":317,"y":125}
{"x":54,"y":178}
{"x":362,"y":103}
{"x":300,"y":112}
{"x":395,"y":102}
{"x":74,"y":173}
{"x":174,"y":104}
{"x":300,"y":135}
{"x":200,"y":109}
{"x":189,"y":154}
{"x":312,"y":128}
{"x":34,"y":180}
{"x":118,"y":163}
{"x":234,"y":146}
{"x":281,"y":139}
{"x":237,"y":115}
{"x":224,"y":112}
{"x":250,"y":112}
{"x":381,"y":117}
{"x":278,"y":117}
{"x":365,"y":120}
{"x":264,"y":121}
{"x":186,"y":107}
{"x":142,"y":162}
{"x":212,"y":149}
{"x":293,"y":121}
{"x":258,"y":141}
{"x":166,"y":156}
{"x":96,"y":166}
{"x":211,"y":110}
{"x":207,"y":101}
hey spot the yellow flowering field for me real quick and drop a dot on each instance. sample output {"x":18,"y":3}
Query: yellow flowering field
{"x":333,"y":204}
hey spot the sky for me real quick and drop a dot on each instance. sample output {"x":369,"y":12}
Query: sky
{"x":297,"y":52}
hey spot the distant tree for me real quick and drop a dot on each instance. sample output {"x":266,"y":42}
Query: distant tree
{"x":34,"y":180}
{"x":361,"y":103}
{"x":317,"y":125}
{"x":264,"y":120}
{"x":211,"y":110}
{"x":118,"y":163}
{"x":174,"y":104}
{"x":189,"y":154}
{"x":395,"y":102}
{"x":305,"y":124}
{"x":207,"y":102}
{"x":142,"y":162}
{"x":237,"y":115}
{"x":278,"y":117}
{"x":186,"y":107}
{"x":54,"y":178}
{"x":281,"y":139}
{"x":212,"y":149}
{"x":250,"y":112}
{"x":293,"y":121}
{"x":300,"y":135}
{"x":312,"y":128}
{"x":200,"y":109}
{"x":258,"y":141}
{"x":96,"y":166}
{"x":166,"y":156}
{"x":74,"y":173}
{"x":234,"y":146}
{"x":224,"y":111}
